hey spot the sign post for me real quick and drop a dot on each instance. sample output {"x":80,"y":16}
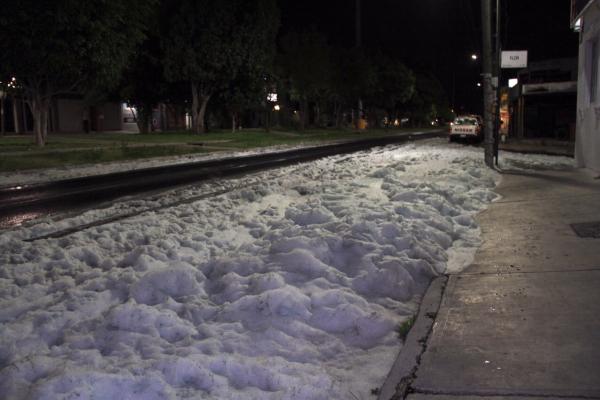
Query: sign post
{"x":514,"y":59}
{"x":498,"y":68}
{"x":488,"y":90}
{"x":508,"y":60}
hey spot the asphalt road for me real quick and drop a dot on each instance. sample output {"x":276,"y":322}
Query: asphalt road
{"x":22,"y":203}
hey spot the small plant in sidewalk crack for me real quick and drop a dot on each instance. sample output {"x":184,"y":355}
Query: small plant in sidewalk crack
{"x":405,"y":327}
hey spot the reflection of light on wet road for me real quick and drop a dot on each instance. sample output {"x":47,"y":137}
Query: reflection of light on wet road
{"x":18,"y":220}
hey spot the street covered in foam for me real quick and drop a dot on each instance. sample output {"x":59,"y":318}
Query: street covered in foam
{"x":292,"y":285}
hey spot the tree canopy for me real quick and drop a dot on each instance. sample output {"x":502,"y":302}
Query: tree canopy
{"x":188,"y":52}
{"x":429,"y":102}
{"x":209,"y":42}
{"x":395,"y":87}
{"x":307,"y":62}
{"x":67,"y":46}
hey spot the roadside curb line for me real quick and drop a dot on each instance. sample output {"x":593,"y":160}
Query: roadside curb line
{"x":543,"y":152}
{"x":403,"y":371}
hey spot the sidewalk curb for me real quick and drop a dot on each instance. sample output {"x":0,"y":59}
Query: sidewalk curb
{"x":402,"y":373}
{"x":539,"y":151}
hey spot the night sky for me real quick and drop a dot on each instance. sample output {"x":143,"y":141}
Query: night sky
{"x":440,"y":35}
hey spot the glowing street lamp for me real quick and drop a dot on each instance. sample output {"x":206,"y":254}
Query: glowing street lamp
{"x":474,"y":57}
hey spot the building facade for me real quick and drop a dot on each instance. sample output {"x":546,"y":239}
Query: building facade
{"x":586,"y":20}
{"x":67,"y":115}
{"x":543,"y":104}
{"x":74,"y":115}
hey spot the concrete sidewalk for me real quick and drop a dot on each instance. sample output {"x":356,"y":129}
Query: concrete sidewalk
{"x":524,"y":320}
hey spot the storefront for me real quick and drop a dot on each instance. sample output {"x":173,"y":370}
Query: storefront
{"x":586,"y":20}
{"x":543,"y":103}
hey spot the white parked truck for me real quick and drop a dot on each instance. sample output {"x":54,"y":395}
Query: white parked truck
{"x":466,"y":127}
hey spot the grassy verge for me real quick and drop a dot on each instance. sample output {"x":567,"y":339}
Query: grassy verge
{"x":9,"y":163}
{"x":20,"y":153}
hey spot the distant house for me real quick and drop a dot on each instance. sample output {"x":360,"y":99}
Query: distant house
{"x":67,"y":115}
{"x":586,"y":19}
{"x":72,"y":114}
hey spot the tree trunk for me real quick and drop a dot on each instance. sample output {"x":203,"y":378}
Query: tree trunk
{"x":40,"y":110}
{"x":143,"y":119}
{"x":195,"y":107}
{"x":2,"y":124}
{"x":303,"y":113}
{"x":202,"y":113}
{"x":268,"y":120}
{"x":199,"y":102}
{"x":36,"y":110}
{"x":44,"y":120}
{"x":15,"y":115}
{"x":24,"y":115}
{"x":233,"y":121}
{"x":338,"y":114}
{"x":374,"y":119}
{"x":143,"y":124}
{"x":163,"y":117}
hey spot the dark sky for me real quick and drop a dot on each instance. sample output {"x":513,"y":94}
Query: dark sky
{"x":440,"y":35}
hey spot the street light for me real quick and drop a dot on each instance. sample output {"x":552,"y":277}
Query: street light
{"x":474,"y":57}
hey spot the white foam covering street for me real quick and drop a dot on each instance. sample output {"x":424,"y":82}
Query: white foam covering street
{"x":289,"y":286}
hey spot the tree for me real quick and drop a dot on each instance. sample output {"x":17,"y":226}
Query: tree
{"x":354,"y":76}
{"x":64,"y":47}
{"x":246,"y":91}
{"x":396,"y":85}
{"x":307,"y":62}
{"x":143,"y":82}
{"x":429,"y":101}
{"x":208,"y":42}
{"x":254,"y":82}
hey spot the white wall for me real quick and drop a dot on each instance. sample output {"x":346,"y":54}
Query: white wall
{"x":70,"y":115}
{"x":71,"y":112}
{"x":113,"y":117}
{"x":587,"y":145}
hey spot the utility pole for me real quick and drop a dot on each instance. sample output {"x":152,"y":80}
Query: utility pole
{"x":358,"y":32}
{"x":358,"y":37}
{"x":498,"y":83}
{"x":488,"y":91}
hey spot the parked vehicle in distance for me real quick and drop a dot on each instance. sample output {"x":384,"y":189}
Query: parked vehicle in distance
{"x":466,"y":127}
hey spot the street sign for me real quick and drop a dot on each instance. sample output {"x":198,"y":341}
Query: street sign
{"x":514,"y":59}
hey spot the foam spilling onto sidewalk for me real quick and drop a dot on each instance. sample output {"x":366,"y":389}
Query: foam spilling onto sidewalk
{"x":291,"y":287}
